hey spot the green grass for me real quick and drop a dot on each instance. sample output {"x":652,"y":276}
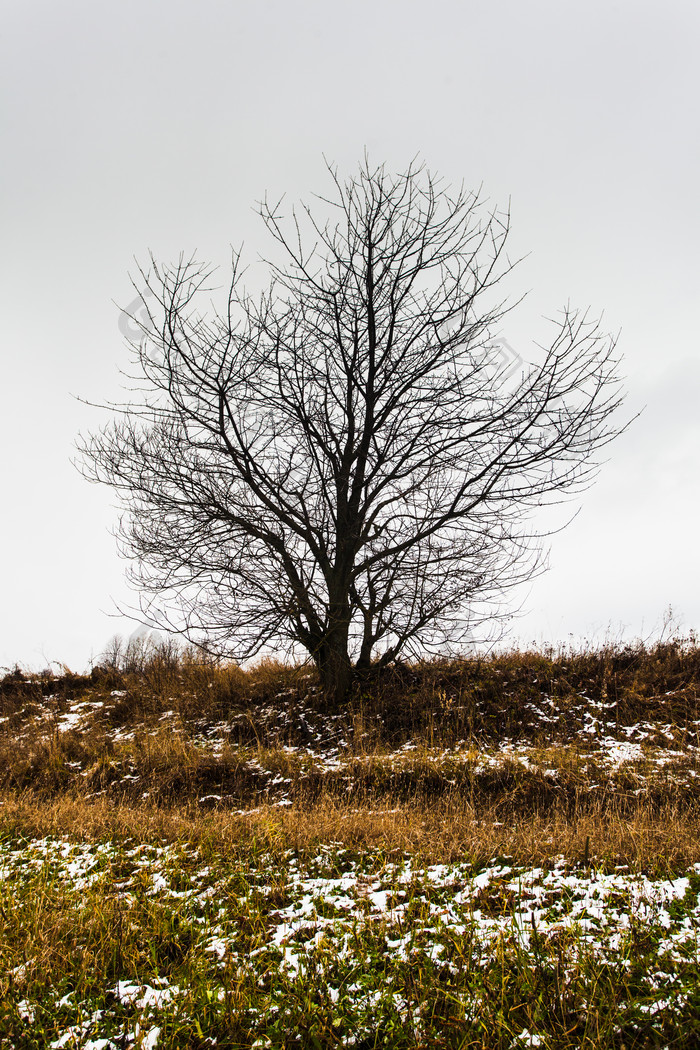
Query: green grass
{"x":129,"y":942}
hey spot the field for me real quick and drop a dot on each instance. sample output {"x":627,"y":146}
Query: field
{"x":499,"y":852}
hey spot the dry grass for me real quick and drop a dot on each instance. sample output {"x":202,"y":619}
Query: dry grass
{"x":168,"y":744}
{"x":652,"y":840}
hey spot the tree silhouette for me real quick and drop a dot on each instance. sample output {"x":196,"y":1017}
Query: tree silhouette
{"x":346,"y":463}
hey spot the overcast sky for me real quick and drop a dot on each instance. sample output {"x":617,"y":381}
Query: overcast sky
{"x":157,"y":126}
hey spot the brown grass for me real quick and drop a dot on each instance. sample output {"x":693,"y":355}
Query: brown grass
{"x":126,"y":773}
{"x":661,"y":841}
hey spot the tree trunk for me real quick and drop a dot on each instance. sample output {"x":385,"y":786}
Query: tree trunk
{"x":335,"y":667}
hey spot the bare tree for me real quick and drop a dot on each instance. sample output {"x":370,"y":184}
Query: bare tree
{"x":344,"y":464}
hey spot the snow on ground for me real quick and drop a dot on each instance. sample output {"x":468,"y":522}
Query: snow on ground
{"x":644,"y":748}
{"x":313,"y":912}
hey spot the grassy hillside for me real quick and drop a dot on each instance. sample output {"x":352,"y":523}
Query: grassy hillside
{"x":495,"y":852}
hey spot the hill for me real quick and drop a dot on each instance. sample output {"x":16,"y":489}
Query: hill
{"x":500,"y":851}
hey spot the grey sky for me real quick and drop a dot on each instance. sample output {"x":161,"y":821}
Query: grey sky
{"x":158,"y":125}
